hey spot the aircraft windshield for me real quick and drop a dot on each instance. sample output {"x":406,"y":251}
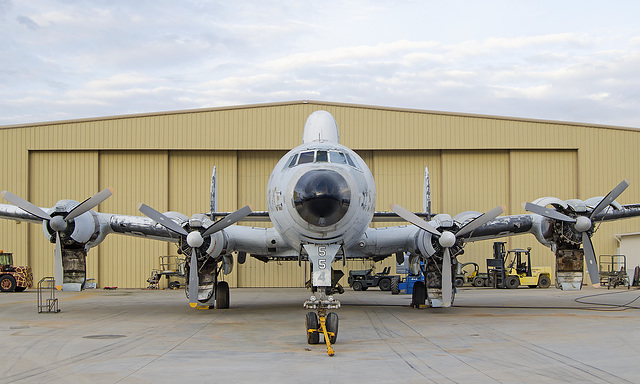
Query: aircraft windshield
{"x":306,"y":157}
{"x":335,"y":157}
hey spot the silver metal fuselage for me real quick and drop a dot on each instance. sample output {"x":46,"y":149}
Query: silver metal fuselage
{"x":281,"y":197}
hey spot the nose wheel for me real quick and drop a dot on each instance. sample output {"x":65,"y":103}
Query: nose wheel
{"x":322,"y":323}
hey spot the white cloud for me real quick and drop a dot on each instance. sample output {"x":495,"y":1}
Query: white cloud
{"x":579,"y":62}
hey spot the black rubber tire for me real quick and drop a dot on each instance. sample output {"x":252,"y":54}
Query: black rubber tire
{"x":312,"y":322}
{"x":7,"y":283}
{"x":331,"y":322}
{"x":222,"y":295}
{"x":512,"y":282}
{"x":174,"y":285}
{"x":419,"y":294}
{"x":395,"y":285}
{"x":357,"y":286}
{"x":458,"y":282}
{"x":544,"y":281}
{"x":20,"y":289}
{"x":478,"y":281}
{"x":384,"y":284}
{"x":365,"y":288}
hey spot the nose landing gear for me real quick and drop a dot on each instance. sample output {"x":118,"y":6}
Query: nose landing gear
{"x":322,"y":322}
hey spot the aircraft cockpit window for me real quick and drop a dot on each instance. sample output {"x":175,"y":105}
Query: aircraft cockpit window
{"x":351,"y":163}
{"x":337,"y":157}
{"x":306,"y":157}
{"x":293,"y":159}
{"x":322,"y":156}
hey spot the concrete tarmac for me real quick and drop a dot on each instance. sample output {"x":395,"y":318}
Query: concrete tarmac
{"x":489,"y":336}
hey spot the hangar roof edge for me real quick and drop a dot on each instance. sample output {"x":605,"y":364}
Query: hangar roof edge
{"x":315,"y":102}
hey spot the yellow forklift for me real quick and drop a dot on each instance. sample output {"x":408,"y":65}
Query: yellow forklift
{"x":511,"y":269}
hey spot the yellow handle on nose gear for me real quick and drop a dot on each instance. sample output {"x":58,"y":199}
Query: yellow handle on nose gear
{"x":327,"y":334}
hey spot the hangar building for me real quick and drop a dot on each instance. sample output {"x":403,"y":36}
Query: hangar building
{"x":165,"y":160}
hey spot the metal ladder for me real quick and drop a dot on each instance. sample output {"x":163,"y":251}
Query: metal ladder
{"x":50,"y":304}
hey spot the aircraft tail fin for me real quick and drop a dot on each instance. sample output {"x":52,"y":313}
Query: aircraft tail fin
{"x":321,"y":126}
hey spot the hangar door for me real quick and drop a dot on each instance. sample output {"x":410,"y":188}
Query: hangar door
{"x":630,"y":247}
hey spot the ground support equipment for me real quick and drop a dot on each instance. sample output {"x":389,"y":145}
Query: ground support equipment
{"x":49,"y":305}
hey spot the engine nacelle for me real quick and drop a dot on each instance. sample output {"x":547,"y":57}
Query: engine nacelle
{"x":86,"y":229}
{"x":217,"y":243}
{"x":429,"y":245}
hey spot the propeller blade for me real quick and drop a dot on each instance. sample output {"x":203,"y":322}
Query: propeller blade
{"x":548,"y":213}
{"x":193,"y":279}
{"x":615,"y":192}
{"x":57,"y":263}
{"x":414,"y":219}
{"x":228,"y":220}
{"x":590,"y":258}
{"x":25,"y":205}
{"x":161,"y":219}
{"x":89,"y":204}
{"x":447,"y":283}
{"x":480,"y":221}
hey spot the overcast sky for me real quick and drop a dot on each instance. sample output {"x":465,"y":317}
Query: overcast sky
{"x":560,"y":60}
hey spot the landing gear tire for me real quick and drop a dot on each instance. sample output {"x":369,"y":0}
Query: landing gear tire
{"x":313,"y":337}
{"x":357,"y":286}
{"x":419,"y":294}
{"x":331,"y":323}
{"x":512,"y":282}
{"x":222,"y":295}
{"x":544,"y":282}
{"x":384,"y":284}
{"x":7,"y":283}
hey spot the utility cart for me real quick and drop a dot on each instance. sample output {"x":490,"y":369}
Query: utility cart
{"x":613,"y":271}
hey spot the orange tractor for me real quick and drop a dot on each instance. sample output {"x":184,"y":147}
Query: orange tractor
{"x":13,"y":278}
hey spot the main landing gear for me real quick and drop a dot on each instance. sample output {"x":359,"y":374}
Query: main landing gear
{"x":212,"y":292}
{"x":321,"y":322}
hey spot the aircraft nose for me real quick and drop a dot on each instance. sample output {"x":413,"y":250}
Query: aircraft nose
{"x":322,"y":197}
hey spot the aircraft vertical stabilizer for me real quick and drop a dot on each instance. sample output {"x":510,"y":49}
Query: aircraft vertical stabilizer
{"x":320,"y":126}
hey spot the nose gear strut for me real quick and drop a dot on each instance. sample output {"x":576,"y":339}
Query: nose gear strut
{"x":322,"y":322}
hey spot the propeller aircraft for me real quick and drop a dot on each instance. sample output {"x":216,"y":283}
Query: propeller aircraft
{"x":321,"y":200}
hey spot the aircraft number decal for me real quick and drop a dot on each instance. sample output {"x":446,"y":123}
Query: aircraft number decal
{"x":322,"y":252}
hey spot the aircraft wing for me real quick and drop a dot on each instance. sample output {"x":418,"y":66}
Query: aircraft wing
{"x":11,"y":212}
{"x":392,"y":217}
{"x":625,"y":212}
{"x":138,"y":226}
{"x":261,"y":242}
{"x":388,"y":240}
{"x":503,"y":226}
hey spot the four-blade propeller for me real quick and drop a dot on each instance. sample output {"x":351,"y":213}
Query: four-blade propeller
{"x":194,"y":239}
{"x":583,"y":224}
{"x":447,"y":239}
{"x":58,"y":223}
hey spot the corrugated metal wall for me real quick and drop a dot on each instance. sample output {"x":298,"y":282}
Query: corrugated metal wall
{"x":165,"y":161}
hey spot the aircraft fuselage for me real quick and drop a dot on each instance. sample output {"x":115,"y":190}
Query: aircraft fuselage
{"x":321,"y":192}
